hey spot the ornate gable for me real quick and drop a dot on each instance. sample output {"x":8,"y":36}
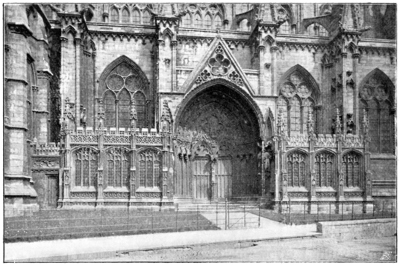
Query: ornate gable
{"x":217,"y":63}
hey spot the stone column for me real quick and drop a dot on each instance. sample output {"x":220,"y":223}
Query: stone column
{"x":100,"y":172}
{"x":78,"y":56}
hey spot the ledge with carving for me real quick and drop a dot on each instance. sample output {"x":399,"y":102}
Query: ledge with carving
{"x":353,"y":141}
{"x":326,"y":141}
{"x":129,"y":35}
{"x":301,"y":140}
{"x":119,"y":137}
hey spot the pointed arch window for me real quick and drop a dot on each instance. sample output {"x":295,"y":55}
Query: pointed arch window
{"x":186,"y":20}
{"x":197,"y":21}
{"x":218,"y":21}
{"x":285,"y":28}
{"x":296,"y":165}
{"x":149,"y":169}
{"x":136,"y":16}
{"x":376,"y":96}
{"x":207,"y":21}
{"x":110,"y":109}
{"x":146,"y":18}
{"x":117,"y":167}
{"x":324,"y":169}
{"x":124,"y":103}
{"x":316,"y":29}
{"x":125,"y":15}
{"x":351,"y":167}
{"x":86,"y":167}
{"x":295,"y":102}
{"x":114,"y":15}
{"x":243,"y":26}
{"x":124,"y":88}
{"x":140,"y":105}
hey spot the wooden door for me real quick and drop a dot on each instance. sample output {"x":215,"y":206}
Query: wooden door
{"x":201,"y":179}
{"x":52,"y":191}
{"x":223,"y":175}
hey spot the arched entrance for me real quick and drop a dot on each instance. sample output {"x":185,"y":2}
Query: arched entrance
{"x":216,"y":135}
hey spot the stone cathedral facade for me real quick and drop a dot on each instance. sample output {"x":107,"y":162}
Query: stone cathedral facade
{"x":150,"y":105}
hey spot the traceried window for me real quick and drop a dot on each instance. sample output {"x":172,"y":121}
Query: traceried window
{"x":117,"y":167}
{"x":376,"y":98}
{"x":316,"y":29}
{"x":186,"y":21}
{"x":296,"y":169}
{"x":114,"y":15}
{"x":244,"y":25}
{"x":136,"y":16}
{"x":197,"y":21}
{"x":324,"y":169}
{"x":218,"y":21}
{"x":285,"y":28}
{"x":146,"y":18}
{"x":124,"y":89}
{"x":140,"y":105}
{"x":351,"y":167}
{"x":207,"y":22}
{"x":125,"y":15}
{"x":295,"y":103}
{"x":149,"y":169}
{"x":86,"y":166}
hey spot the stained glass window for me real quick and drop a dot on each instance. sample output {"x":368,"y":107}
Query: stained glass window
{"x":114,"y":15}
{"x":296,"y":169}
{"x":186,"y":21}
{"x":149,"y":164}
{"x":197,"y":21}
{"x":86,"y":166}
{"x":125,"y":15}
{"x":109,"y":107}
{"x":294,"y":116}
{"x":218,"y":22}
{"x":140,"y":105}
{"x":373,"y":114}
{"x":146,"y":18}
{"x":124,"y":104}
{"x":351,"y":169}
{"x":135,"y":17}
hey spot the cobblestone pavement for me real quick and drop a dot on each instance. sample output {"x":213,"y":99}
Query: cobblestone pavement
{"x":298,"y":250}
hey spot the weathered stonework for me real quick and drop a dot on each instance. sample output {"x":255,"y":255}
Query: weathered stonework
{"x":147,"y":105}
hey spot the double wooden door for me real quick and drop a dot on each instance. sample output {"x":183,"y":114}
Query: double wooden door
{"x":204,"y":176}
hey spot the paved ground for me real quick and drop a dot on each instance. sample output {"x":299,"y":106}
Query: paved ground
{"x":289,"y":250}
{"x":84,"y":248}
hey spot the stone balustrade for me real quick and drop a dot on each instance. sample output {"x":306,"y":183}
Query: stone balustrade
{"x":46,"y":149}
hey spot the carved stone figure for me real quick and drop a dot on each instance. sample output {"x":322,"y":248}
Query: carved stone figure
{"x":133,"y":116}
{"x":350,"y":124}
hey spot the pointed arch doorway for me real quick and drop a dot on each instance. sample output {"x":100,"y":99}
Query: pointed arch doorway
{"x":216,"y":137}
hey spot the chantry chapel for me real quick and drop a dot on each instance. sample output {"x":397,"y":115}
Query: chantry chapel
{"x":154,"y":105}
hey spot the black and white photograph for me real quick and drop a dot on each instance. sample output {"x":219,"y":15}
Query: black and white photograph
{"x":190,"y":132}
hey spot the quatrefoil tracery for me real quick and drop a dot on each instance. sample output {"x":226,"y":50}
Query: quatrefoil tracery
{"x":219,"y":65}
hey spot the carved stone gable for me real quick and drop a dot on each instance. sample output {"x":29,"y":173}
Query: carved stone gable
{"x":219,"y":62}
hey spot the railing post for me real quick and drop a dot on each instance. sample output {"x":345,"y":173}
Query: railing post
{"x":226,"y":215}
{"x":317,"y":213}
{"x":244,"y":215}
{"x":289,"y":211}
{"x":330,"y":204}
{"x":259,"y":213}
{"x":373,"y":209}
{"x":176,"y":219}
{"x":342,"y":210}
{"x":304,"y":210}
{"x":216,"y":215}
{"x":197,"y":217}
{"x":352,"y":210}
{"x":152,"y":220}
{"x":383,"y":207}
{"x":391,"y":215}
